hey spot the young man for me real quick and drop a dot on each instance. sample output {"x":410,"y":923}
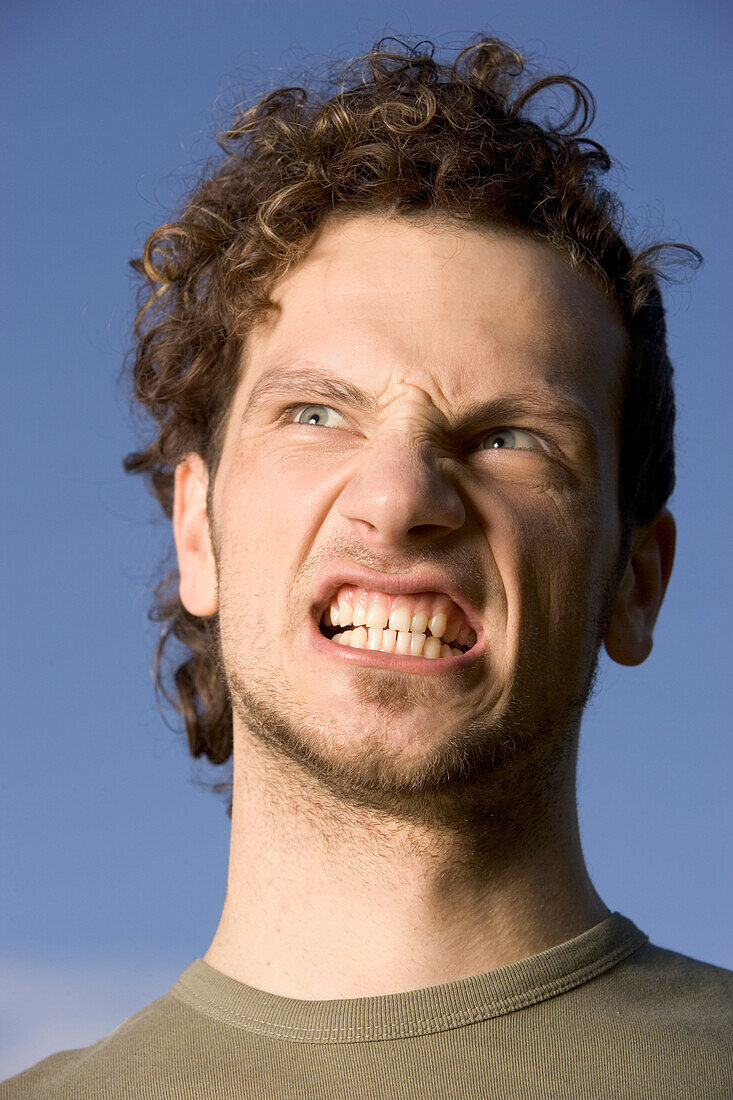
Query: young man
{"x":414,"y":429}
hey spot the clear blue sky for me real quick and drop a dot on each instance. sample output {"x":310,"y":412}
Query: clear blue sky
{"x":114,"y":860}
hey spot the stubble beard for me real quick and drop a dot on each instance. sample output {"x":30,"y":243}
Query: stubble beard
{"x":495,"y":777}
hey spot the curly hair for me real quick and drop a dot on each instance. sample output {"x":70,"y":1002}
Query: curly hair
{"x":393,"y":132}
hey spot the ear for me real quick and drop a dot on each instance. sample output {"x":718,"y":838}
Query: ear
{"x":198,"y":587}
{"x":641,"y":591}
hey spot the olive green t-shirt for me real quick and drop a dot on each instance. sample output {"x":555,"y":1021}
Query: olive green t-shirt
{"x":606,"y":1014}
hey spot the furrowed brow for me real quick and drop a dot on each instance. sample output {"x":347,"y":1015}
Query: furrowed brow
{"x":310,"y":382}
{"x":280,"y":381}
{"x":552,"y":408}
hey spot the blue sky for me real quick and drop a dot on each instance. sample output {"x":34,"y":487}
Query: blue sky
{"x":114,"y":857}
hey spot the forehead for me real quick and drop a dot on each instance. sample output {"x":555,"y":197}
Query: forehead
{"x":457,"y":313}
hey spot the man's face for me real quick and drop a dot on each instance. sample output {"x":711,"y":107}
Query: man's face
{"x":478,"y":470}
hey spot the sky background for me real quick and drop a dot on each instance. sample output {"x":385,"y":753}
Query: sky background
{"x":114,"y":854}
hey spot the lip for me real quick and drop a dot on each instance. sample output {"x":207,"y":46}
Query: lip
{"x":396,"y":584}
{"x":395,"y":661}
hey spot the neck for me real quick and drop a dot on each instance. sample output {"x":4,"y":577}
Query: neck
{"x":327,"y":902}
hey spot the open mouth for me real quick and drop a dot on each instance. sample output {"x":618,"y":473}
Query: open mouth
{"x":425,"y":624}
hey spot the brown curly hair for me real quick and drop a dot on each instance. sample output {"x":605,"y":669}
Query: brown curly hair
{"x":395,"y":132}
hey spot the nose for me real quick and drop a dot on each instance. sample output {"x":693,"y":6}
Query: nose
{"x":399,"y":496}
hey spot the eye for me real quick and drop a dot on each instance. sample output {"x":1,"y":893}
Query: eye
{"x":512,"y":439}
{"x":315,"y":414}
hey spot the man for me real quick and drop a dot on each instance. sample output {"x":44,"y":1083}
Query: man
{"x":414,"y":429}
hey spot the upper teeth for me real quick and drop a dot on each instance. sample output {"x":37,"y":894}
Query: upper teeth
{"x":377,"y":611}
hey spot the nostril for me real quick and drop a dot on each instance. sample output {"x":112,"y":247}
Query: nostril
{"x":428,"y":530}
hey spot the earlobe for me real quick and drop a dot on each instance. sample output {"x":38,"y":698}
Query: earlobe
{"x":629,"y":636}
{"x":196,"y":561}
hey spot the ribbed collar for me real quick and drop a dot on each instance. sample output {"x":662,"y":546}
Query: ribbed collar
{"x":419,"y":1011}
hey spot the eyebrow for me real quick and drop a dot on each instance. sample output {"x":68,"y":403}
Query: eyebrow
{"x":282,"y":380}
{"x":554,"y":406}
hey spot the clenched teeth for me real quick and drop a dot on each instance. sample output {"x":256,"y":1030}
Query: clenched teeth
{"x":395,"y":641}
{"x":398,"y":624}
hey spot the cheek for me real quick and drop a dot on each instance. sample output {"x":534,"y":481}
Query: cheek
{"x":253,"y":549}
{"x":547,"y":546}
{"x":274,"y":505}
{"x":288,"y":492}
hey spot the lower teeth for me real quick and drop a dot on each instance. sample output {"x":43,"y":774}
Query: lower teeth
{"x":401,"y":643}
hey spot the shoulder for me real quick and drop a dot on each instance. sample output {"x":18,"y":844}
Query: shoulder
{"x":670,"y":985}
{"x":122,"y":1063}
{"x":654,"y":1024}
{"x":678,"y":981}
{"x":677,"y":1003}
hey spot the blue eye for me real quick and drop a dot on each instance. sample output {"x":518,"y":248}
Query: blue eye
{"x":512,"y":439}
{"x":314,"y":414}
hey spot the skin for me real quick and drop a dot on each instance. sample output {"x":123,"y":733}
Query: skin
{"x":392,"y":830}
